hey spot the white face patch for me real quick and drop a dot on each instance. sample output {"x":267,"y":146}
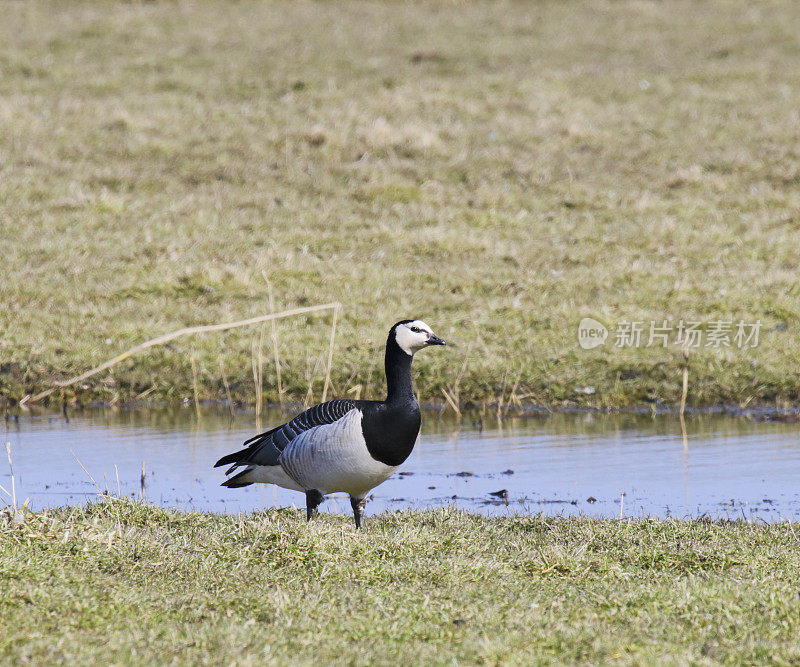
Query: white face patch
{"x":412,"y":336}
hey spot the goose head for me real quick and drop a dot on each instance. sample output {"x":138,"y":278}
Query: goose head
{"x":412,"y":335}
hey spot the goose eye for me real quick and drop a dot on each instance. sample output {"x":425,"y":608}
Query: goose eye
{"x":415,"y":329}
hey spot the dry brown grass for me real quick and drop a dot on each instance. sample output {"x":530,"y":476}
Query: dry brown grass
{"x":499,"y":169}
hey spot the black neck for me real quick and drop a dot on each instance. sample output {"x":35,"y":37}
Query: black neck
{"x":398,"y":373}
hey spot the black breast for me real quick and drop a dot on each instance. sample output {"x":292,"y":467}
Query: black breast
{"x":390,"y":431}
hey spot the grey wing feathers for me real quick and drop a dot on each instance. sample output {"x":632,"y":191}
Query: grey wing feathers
{"x":265,"y":449}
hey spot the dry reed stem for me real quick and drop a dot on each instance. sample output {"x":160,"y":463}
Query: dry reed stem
{"x":145,"y":393}
{"x":309,"y":379}
{"x":452,"y":402}
{"x":500,"y":401}
{"x":142,"y":481}
{"x":685,"y":389}
{"x":261,"y":369}
{"x":13,"y":484}
{"x":512,"y":397}
{"x":255,"y":372}
{"x":454,"y":397}
{"x":227,"y":389}
{"x":194,"y":385}
{"x":311,"y":372}
{"x":309,"y":394}
{"x":258,"y":378}
{"x":274,"y":336}
{"x":684,"y":436}
{"x":165,"y":338}
{"x":330,"y":355}
{"x":88,"y":474}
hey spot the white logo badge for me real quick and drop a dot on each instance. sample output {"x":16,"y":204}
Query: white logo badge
{"x":591,"y":333}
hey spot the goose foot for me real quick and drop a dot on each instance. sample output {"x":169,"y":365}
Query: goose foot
{"x":358,"y":505}
{"x":313,"y":500}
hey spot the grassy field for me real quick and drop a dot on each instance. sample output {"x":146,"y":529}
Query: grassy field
{"x":499,"y":169}
{"x":126,"y":583}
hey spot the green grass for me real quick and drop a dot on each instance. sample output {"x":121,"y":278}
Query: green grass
{"x":129,"y":583}
{"x":500,"y":170}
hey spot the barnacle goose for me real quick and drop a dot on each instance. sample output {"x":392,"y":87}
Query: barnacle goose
{"x":342,"y":445}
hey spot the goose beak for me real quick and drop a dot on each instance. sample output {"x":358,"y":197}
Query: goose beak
{"x":435,"y":340}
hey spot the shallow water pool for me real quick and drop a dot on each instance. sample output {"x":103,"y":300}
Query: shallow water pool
{"x":719,"y":466}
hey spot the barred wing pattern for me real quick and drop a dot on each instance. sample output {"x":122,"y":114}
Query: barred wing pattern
{"x":266,"y":448}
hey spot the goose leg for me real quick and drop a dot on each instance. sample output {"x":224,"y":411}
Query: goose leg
{"x":313,"y":499}
{"x":358,"y":505}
